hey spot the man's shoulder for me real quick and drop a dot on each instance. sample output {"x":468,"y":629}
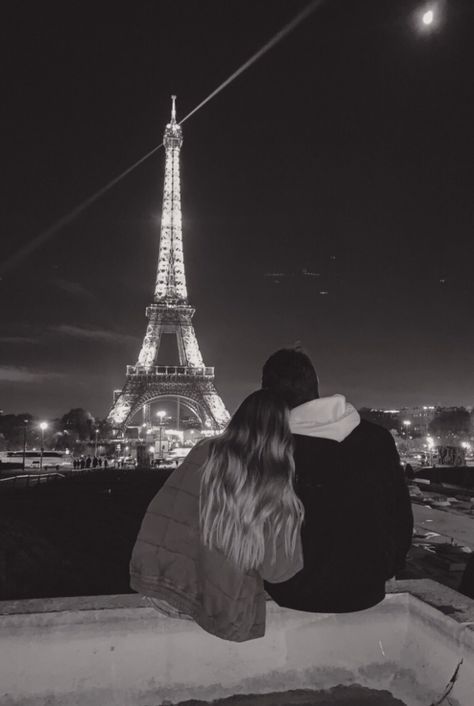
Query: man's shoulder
{"x":372,"y":430}
{"x":371,"y":434}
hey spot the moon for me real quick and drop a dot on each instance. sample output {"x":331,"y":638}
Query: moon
{"x":428,"y":17}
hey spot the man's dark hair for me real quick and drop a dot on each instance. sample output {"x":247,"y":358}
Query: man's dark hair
{"x":290,"y":373}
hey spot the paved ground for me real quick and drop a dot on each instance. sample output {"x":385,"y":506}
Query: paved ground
{"x":457,"y":525}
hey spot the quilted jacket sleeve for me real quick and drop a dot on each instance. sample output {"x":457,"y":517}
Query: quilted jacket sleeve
{"x":283,"y":567}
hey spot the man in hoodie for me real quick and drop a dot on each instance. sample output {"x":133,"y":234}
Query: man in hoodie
{"x":358,"y":524}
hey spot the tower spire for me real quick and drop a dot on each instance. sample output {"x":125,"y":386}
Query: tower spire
{"x":173,"y":109}
{"x":170,"y":280}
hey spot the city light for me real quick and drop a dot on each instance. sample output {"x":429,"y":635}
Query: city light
{"x":43,"y":426}
{"x":161,"y":414}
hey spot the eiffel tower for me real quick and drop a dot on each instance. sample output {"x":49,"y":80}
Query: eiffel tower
{"x":190,"y":382}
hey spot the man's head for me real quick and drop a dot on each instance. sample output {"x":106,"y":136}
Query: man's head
{"x":290,"y":373}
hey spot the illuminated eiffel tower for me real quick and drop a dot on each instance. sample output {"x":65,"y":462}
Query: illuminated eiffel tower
{"x":190,"y":382}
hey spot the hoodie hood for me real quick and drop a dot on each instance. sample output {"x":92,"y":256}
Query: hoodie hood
{"x":327,"y":418}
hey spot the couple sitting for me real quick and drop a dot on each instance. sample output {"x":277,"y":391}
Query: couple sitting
{"x":297,"y":498}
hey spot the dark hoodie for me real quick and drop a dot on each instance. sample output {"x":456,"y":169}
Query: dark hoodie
{"x":358,"y":518}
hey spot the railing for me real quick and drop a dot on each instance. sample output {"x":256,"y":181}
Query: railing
{"x":29,"y":480}
{"x":172,"y":305}
{"x":170,"y":371}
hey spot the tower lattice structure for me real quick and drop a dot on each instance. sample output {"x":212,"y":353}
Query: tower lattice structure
{"x":170,"y":313}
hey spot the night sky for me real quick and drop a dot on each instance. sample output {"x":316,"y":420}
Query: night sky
{"x":346,"y":151}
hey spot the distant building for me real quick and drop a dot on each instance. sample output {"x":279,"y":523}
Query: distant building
{"x":414,"y":422}
{"x":419,"y":418}
{"x":387,"y":418}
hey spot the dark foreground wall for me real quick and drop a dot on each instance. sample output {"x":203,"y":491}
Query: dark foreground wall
{"x":455,"y":475}
{"x":74,"y":537}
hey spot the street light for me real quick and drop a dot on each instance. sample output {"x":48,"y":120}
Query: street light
{"x":466,"y":446}
{"x":406,"y":424}
{"x":430,"y":442}
{"x":161,"y":414}
{"x":96,"y":438}
{"x":42,"y":426}
{"x":25,"y":423}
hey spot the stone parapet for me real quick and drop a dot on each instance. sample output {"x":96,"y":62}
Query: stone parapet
{"x":105,"y":650}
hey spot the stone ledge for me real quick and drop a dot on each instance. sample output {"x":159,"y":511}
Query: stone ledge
{"x":444,"y":599}
{"x":448,"y":601}
{"x":96,"y":650}
{"x":71,"y":603}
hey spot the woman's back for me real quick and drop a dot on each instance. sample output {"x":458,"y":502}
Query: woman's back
{"x":226,"y":519}
{"x":170,"y":562}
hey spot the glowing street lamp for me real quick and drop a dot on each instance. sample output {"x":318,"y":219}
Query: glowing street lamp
{"x":43,"y":426}
{"x":161,"y":414}
{"x":430,"y":442}
{"x":25,"y":425}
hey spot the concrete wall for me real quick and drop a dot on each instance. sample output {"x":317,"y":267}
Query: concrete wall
{"x":112,"y":651}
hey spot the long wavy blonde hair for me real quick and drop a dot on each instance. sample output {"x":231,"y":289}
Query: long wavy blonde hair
{"x":247,"y":494}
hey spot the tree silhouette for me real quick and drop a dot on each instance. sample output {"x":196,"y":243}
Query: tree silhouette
{"x":451,"y":423}
{"x":78,"y":422}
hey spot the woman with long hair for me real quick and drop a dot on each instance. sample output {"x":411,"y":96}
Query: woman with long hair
{"x":226,"y":519}
{"x":247,"y":484}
